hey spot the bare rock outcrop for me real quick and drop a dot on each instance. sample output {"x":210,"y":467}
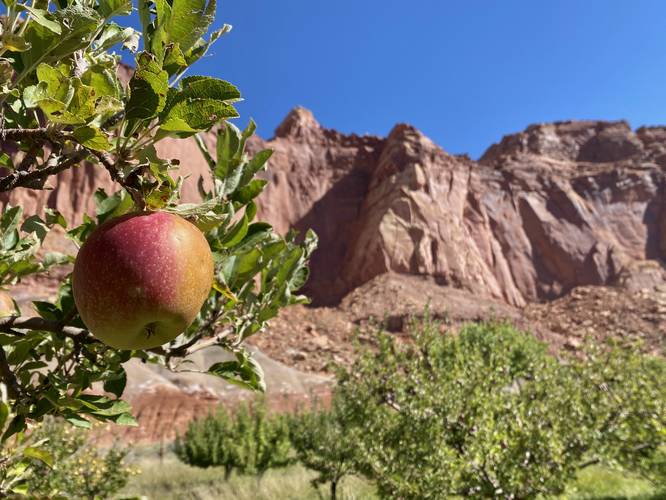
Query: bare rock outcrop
{"x":557,"y":206}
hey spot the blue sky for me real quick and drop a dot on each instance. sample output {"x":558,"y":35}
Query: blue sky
{"x":464,"y":72}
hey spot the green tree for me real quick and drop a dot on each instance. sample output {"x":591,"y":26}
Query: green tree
{"x":325,"y":442}
{"x":63,"y":103}
{"x":249,"y":440}
{"x":489,"y":413}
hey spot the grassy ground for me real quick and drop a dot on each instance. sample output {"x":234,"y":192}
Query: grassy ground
{"x":170,"y":479}
{"x":600,"y":483}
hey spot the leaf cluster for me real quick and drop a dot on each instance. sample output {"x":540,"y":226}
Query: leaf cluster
{"x":64,"y":101}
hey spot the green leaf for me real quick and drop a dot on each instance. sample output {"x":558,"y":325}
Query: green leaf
{"x":201,"y":46}
{"x":80,"y":233}
{"x":57,"y":83}
{"x":6,"y":161}
{"x":199,"y":104}
{"x":78,"y":421}
{"x":82,"y":104}
{"x":103,"y":80}
{"x":236,"y":233}
{"x":44,"y":18}
{"x":22,"y":347}
{"x":16,"y":425}
{"x":111,"y":8}
{"x":78,"y":22}
{"x":195,"y":115}
{"x":257,"y":163}
{"x":115,"y":205}
{"x":39,"y":454}
{"x":14,"y":43}
{"x":34,"y":224}
{"x":148,"y":88}
{"x":56,"y":111}
{"x":4,"y":414}
{"x":92,"y":138}
{"x":247,"y":193}
{"x":174,"y":60}
{"x":201,"y":215}
{"x":32,"y":94}
{"x":245,"y":372}
{"x":107,"y":106}
{"x":10,"y":218}
{"x":206,"y":87}
{"x":54,"y":217}
{"x":125,"y":419}
{"x":56,"y":259}
{"x":116,"y":383}
{"x":189,"y":21}
{"x":227,"y":148}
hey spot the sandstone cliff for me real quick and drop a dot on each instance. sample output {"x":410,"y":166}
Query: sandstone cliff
{"x":543,"y":211}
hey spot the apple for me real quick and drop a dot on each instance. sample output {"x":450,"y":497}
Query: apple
{"x":140,"y":280}
{"x":7,"y":306}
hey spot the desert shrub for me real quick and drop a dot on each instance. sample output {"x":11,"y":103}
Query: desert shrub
{"x":249,"y":440}
{"x":79,"y":468}
{"x":489,"y":413}
{"x":323,"y":440}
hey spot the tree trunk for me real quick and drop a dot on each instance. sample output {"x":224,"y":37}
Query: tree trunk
{"x":334,"y":487}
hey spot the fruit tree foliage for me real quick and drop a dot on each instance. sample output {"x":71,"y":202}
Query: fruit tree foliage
{"x":63,"y":103}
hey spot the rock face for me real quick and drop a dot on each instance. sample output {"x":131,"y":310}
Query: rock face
{"x":554,"y":207}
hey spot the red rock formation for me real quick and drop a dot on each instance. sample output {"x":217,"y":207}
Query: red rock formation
{"x":556,"y":206}
{"x":543,"y":211}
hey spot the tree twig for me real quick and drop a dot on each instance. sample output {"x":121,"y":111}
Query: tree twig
{"x":35,"y":178}
{"x":35,"y":323}
{"x":9,"y":324}
{"x":41,"y":134}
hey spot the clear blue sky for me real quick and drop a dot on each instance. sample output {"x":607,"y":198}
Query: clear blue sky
{"x":464,"y":72}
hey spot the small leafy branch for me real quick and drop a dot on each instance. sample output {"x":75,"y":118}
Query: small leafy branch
{"x":63,"y":103}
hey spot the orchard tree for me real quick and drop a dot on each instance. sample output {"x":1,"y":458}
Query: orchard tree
{"x":156,"y":279}
{"x":325,"y":441}
{"x":490,"y":414}
{"x":249,"y":440}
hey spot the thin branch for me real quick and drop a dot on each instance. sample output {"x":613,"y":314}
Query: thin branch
{"x":202,"y":345}
{"x":8,"y":324}
{"x":41,"y":134}
{"x":206,"y":329}
{"x":35,"y":323}
{"x":35,"y":178}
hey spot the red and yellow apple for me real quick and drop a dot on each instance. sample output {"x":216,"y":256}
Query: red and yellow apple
{"x":7,"y":306}
{"x":140,"y":280}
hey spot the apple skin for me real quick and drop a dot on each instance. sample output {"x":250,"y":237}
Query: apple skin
{"x":7,"y":306}
{"x":140,"y":280}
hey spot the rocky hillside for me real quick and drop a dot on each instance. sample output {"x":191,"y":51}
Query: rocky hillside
{"x":543,"y":211}
{"x":560,"y":228}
